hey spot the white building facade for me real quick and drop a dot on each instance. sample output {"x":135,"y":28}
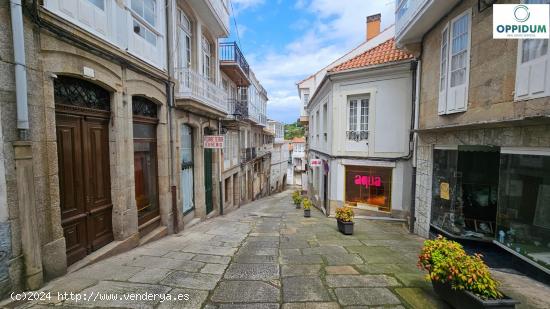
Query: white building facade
{"x":359,"y":127}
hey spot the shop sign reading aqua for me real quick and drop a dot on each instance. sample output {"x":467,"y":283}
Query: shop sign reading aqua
{"x":368,"y":181}
{"x":521,"y":21}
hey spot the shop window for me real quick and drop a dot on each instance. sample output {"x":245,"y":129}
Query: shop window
{"x":464,"y":191}
{"x":523,"y":220}
{"x":369,"y":186}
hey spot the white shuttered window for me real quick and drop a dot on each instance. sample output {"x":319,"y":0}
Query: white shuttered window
{"x":455,"y":65}
{"x":533,"y":66}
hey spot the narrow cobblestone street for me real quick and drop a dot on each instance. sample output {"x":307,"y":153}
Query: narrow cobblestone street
{"x":264,"y":255}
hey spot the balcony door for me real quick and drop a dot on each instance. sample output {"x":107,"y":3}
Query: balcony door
{"x":145,"y":163}
{"x":184,"y":50}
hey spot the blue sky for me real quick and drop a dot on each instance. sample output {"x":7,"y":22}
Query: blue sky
{"x":285,"y":41}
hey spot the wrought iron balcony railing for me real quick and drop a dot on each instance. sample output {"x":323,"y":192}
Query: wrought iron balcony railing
{"x":230,"y":52}
{"x":248,"y":154}
{"x":197,"y":87}
{"x":357,"y":136}
{"x":238,"y":108}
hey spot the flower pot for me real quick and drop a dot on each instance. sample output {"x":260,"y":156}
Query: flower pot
{"x":345,"y":228}
{"x":298,"y":206}
{"x":307,"y":213}
{"x":466,"y":299}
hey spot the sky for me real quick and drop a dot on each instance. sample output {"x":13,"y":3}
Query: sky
{"x":285,"y":41}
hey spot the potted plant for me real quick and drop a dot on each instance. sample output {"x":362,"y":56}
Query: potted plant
{"x":344,"y":217}
{"x":297,"y":198}
{"x":462,"y":280}
{"x":307,"y":208}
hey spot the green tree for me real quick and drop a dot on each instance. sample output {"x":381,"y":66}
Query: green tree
{"x":293,"y":130}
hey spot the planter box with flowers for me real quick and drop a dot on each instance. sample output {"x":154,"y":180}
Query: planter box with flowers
{"x":461,"y":280}
{"x":307,"y":207}
{"x":297,"y":198}
{"x":344,"y":218}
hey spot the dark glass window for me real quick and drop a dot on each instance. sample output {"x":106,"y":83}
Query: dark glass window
{"x":369,"y":186}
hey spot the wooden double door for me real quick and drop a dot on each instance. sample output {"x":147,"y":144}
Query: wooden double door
{"x":85,"y":182}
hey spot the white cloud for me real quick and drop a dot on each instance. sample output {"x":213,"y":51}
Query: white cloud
{"x":338,"y":27}
{"x":241,"y":5}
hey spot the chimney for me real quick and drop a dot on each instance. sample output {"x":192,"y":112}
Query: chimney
{"x":373,"y":26}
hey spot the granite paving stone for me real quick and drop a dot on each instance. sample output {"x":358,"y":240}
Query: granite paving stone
{"x":217,"y":269}
{"x":338,"y":281}
{"x":301,"y":289}
{"x":300,"y":270}
{"x":366,"y":296}
{"x":341,"y":270}
{"x":263,"y":272}
{"x":197,"y":281}
{"x":215,"y":259}
{"x":245,"y":292}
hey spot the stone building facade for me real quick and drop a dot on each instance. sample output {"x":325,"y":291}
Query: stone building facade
{"x":84,"y":90}
{"x":483,"y":142}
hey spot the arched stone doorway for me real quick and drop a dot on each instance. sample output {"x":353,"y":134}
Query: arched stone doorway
{"x":82,"y":130}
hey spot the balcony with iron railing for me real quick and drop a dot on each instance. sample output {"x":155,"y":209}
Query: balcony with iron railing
{"x":200,"y":91}
{"x":234,"y":64}
{"x":414,"y":17}
{"x":238,"y":109}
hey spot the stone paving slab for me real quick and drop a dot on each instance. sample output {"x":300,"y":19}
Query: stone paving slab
{"x":245,"y":292}
{"x":215,"y":259}
{"x":311,"y":306}
{"x":300,"y":289}
{"x":253,"y":259}
{"x":341,"y":270}
{"x":339,"y":281}
{"x":263,"y":272}
{"x":300,"y":270}
{"x":366,"y":296}
{"x":197,"y":281}
{"x":196,"y":299}
{"x":302,"y":259}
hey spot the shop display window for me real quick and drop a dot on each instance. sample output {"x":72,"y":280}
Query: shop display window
{"x":465,"y":191}
{"x":523,"y":220}
{"x":369,"y":187}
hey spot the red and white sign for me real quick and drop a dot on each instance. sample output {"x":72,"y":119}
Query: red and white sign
{"x":315,"y":162}
{"x":213,"y":141}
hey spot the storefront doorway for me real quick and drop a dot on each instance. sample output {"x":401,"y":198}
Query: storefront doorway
{"x":208,"y":184}
{"x":187,"y":168}
{"x":145,"y":163}
{"x":82,"y":129}
{"x":465,"y":191}
{"x":368,"y":187}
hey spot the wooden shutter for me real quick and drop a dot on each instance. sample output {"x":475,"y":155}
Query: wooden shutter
{"x":532,"y":77}
{"x":443,"y":67}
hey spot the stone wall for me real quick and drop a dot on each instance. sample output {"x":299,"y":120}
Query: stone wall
{"x":47,"y":57}
{"x":491,"y":79}
{"x":518,"y":136}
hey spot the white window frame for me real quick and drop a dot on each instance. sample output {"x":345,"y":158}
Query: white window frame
{"x":185,"y":33}
{"x":453,"y":99}
{"x":148,"y":28}
{"x":357,"y":126}
{"x":206,"y":49}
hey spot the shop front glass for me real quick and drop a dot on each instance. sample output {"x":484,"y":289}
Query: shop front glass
{"x":523,"y":220}
{"x":369,"y":187}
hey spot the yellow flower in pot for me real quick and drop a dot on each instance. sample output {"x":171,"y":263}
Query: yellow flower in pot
{"x":307,"y":207}
{"x":344,"y":218}
{"x":297,"y":198}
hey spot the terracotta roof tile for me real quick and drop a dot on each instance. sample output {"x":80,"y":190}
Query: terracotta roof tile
{"x":384,"y":53}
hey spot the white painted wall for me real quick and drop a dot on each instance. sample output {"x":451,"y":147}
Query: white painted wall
{"x":114,"y":23}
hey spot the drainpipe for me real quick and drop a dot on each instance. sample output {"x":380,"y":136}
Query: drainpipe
{"x":23,"y":156}
{"x":412,"y":215}
{"x":20,"y":68}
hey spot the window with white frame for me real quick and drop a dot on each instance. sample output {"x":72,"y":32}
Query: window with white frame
{"x":100,"y":4}
{"x":306,"y":98}
{"x":325,"y":121}
{"x":185,"y":34}
{"x":206,"y":57}
{"x":317,"y":125}
{"x":455,"y":65}
{"x":533,"y":66}
{"x":145,"y":20}
{"x":358,"y":118}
